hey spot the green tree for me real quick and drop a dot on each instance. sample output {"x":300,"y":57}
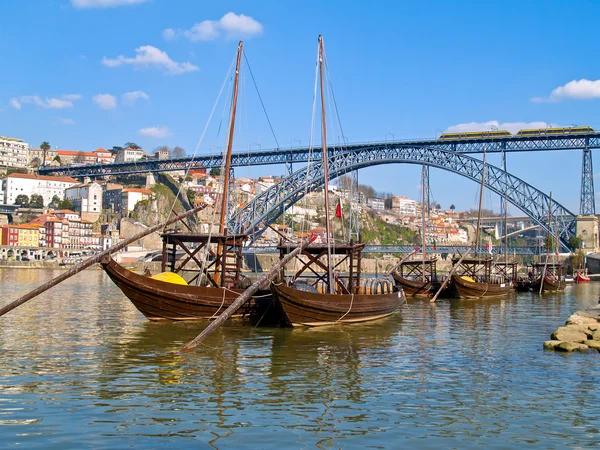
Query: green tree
{"x":575,"y":243}
{"x":57,"y":159}
{"x":36,"y":201}
{"x":54,"y":203}
{"x":22,"y":200}
{"x":131,"y":145}
{"x":65,"y":204}
{"x":452,"y":207}
{"x":116,"y":149}
{"x":44,"y":146}
{"x":215,"y":172}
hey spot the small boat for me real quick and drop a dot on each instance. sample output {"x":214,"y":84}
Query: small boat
{"x":553,"y":274}
{"x":581,"y":277}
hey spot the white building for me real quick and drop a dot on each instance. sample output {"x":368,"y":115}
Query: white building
{"x":13,"y":152}
{"x":130,"y":155}
{"x":375,"y":203}
{"x":19,"y":183}
{"x":404,"y":206}
{"x":86,"y":199}
{"x":131,"y":196}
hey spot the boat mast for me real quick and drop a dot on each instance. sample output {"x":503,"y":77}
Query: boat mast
{"x":480,"y":205}
{"x":325,"y":165}
{"x":425,"y":204}
{"x":225,"y":196}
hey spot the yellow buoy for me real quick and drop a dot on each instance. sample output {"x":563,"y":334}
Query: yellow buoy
{"x":169,"y":277}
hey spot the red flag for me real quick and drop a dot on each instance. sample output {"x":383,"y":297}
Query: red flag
{"x":338,"y":209}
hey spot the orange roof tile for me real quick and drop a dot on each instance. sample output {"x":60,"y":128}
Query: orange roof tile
{"x":42,"y":177}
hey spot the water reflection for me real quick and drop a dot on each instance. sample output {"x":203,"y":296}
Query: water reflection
{"x":80,"y":365}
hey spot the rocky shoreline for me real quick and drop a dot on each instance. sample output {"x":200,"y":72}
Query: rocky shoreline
{"x":580,"y":333}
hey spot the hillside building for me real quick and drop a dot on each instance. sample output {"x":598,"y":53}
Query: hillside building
{"x":13,"y":152}
{"x":18,"y":183}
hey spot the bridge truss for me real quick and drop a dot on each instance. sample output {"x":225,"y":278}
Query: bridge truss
{"x":269,"y":205}
{"x":585,"y":142}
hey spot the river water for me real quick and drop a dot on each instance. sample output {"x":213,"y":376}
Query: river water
{"x":81,"y":368}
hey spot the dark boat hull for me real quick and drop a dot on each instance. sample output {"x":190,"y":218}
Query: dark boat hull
{"x":159,"y":300}
{"x":412,"y":288}
{"x":550,"y":285}
{"x":472,"y":289}
{"x":301,"y":308}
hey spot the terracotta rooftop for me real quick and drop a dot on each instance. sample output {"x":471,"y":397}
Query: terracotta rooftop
{"x":42,"y":177}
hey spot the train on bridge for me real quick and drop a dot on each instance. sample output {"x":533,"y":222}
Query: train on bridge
{"x":528,"y":133}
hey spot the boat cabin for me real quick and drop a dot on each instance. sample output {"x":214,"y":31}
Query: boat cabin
{"x":312,"y":265}
{"x":506,"y":269}
{"x":479,"y":269}
{"x":417,"y":269}
{"x":216,"y":256}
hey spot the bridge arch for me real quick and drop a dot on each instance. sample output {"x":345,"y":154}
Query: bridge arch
{"x":270,"y":204}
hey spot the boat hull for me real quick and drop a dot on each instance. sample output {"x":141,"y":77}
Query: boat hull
{"x":159,"y":300}
{"x":581,"y":278}
{"x":413,"y":288}
{"x":301,"y":308}
{"x":550,"y":284}
{"x":472,"y":289}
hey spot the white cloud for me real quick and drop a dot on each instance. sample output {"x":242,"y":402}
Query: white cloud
{"x":62,"y":102}
{"x":149,"y":56}
{"x":155,"y":132}
{"x":169,"y":34}
{"x":103,"y":3}
{"x":231,"y":25}
{"x":130,"y":98}
{"x":66,"y":121}
{"x":576,"y":89}
{"x":513,"y":127}
{"x":105,"y":101}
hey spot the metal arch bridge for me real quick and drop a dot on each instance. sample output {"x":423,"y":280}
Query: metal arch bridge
{"x":509,"y":144}
{"x":269,"y":205}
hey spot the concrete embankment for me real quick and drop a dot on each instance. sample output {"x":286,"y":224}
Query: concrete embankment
{"x":580,"y":333}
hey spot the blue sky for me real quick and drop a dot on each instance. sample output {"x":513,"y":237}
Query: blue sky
{"x":84,"y":74}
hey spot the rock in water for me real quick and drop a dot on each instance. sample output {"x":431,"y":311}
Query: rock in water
{"x":571,"y":347}
{"x":570,"y":334}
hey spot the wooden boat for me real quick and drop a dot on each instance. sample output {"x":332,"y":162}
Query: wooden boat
{"x":469,"y":288}
{"x":161,"y":300}
{"x":216,"y":259}
{"x":474,"y":279}
{"x":409,"y":278}
{"x":554,"y":277}
{"x":414,"y":288}
{"x":342,"y":300}
{"x":551,"y":284}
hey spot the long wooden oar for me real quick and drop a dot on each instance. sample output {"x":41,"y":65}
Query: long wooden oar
{"x":401,"y":261}
{"x":95,"y":259}
{"x":450,"y":275}
{"x":243,"y":298}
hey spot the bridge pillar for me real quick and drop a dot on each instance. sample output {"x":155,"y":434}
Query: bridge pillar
{"x":587,"y":205}
{"x":587,"y":231}
{"x":150,"y":180}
